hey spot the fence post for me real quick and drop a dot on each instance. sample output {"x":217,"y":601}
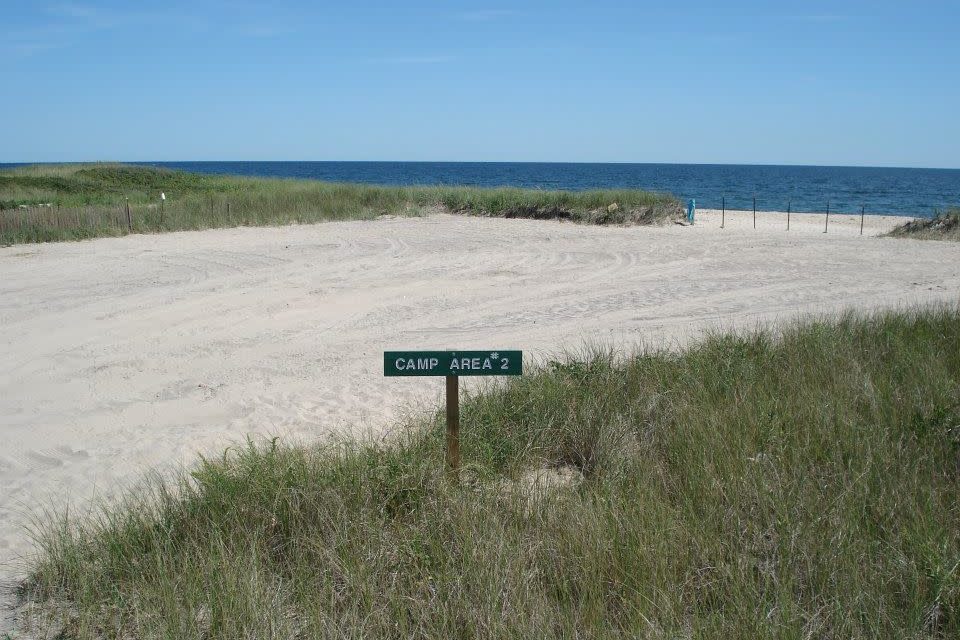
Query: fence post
{"x":129,"y":218}
{"x":754,"y":212}
{"x":789,"y":203}
{"x":826,"y":222}
{"x":863,"y":209}
{"x":723,"y":211}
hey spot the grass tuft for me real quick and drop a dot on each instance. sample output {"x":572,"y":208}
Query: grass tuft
{"x":943,"y":226}
{"x":804,"y":484}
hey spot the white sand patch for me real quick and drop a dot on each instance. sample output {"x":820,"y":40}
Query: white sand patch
{"x":123,"y":354}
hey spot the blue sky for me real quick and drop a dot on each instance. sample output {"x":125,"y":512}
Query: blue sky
{"x":861,"y":83}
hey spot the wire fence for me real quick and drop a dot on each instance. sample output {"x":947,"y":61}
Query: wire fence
{"x":789,"y":214}
{"x":46,"y":222}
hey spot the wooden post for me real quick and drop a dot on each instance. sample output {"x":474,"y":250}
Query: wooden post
{"x":826,"y":222}
{"x":228,"y":209}
{"x":453,"y":426}
{"x":863,"y":210}
{"x":129,"y":218}
{"x":723,"y":211}
{"x":789,"y":203}
{"x":754,"y":212}
{"x":160,"y":225}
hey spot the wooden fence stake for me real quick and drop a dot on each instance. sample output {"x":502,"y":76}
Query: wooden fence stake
{"x":754,"y":212}
{"x":723,"y":211}
{"x":826,"y":222}
{"x":789,"y":203}
{"x":129,"y":218}
{"x":863,"y":210}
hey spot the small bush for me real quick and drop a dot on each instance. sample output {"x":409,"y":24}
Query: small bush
{"x":943,"y":226}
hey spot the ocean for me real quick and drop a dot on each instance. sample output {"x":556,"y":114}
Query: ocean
{"x":914,"y":192}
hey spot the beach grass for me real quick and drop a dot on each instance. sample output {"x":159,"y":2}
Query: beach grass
{"x":945,"y":225}
{"x":797,"y":483}
{"x":46,"y":203}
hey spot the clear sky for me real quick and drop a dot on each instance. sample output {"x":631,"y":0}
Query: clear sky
{"x":843,"y":82}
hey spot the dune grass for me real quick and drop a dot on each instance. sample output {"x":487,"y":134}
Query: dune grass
{"x":803,"y":485}
{"x":945,"y":225}
{"x":69,"y":202}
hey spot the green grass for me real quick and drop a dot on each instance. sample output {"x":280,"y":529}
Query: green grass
{"x":798,"y":485}
{"x":88,"y":201}
{"x":943,"y":226}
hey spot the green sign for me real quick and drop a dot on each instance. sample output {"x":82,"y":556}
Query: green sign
{"x":452,"y":363}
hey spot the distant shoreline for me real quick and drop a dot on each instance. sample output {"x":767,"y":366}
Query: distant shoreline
{"x":916,"y":192}
{"x":10,"y":164}
{"x":76,"y":202}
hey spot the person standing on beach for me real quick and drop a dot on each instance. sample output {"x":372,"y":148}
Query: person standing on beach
{"x":691,"y":210}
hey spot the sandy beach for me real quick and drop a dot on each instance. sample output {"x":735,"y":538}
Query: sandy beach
{"x":125,"y":354}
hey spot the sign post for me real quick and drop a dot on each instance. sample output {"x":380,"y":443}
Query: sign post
{"x":452,"y":365}
{"x":453,"y":424}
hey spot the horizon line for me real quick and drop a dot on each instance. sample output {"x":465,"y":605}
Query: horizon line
{"x":555,"y":162}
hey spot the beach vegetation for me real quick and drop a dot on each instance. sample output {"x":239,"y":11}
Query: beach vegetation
{"x":45,"y":203}
{"x":795,"y":482}
{"x":945,"y":225}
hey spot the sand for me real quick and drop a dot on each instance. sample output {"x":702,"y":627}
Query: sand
{"x":125,"y":354}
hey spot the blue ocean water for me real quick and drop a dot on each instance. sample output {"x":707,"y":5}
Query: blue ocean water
{"x":915,"y":192}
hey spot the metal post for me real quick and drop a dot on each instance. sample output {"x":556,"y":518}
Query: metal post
{"x":453,"y":425}
{"x":826,"y":222}
{"x":789,"y":202}
{"x":863,"y":209}
{"x":754,"y":212}
{"x":723,"y":211}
